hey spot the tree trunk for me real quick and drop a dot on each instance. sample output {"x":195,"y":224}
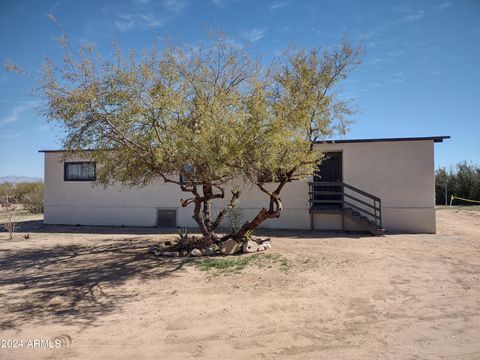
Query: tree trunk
{"x":274,"y":211}
{"x":197,"y":216}
{"x":207,"y":206}
{"x":202,"y":212}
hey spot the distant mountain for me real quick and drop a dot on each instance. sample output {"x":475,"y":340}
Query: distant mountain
{"x":18,"y":179}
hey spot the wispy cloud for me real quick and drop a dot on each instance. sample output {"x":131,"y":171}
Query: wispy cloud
{"x":435,"y":71}
{"x":127,"y":22}
{"x":278,"y":4}
{"x":219,"y":3}
{"x":10,"y":135}
{"x":410,"y":14}
{"x":358,"y":18}
{"x":142,"y":14}
{"x":398,"y":77}
{"x":445,"y":5}
{"x":254,"y":34}
{"x":175,"y":5}
{"x":396,"y":53}
{"x":16,"y":112}
{"x":414,"y":16}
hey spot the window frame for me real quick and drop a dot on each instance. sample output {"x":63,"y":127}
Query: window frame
{"x":79,"y":163}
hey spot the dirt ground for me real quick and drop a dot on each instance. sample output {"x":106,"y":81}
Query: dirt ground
{"x":99,"y":294}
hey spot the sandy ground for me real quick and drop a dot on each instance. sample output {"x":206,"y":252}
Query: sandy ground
{"x":333,"y":297}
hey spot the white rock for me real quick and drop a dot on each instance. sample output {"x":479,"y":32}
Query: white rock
{"x":195,"y":252}
{"x":250,"y":247}
{"x":230,"y":247}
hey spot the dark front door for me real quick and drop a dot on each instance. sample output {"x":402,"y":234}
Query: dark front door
{"x":330,"y":170}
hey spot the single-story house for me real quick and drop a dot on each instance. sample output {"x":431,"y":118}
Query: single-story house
{"x":363,"y":184}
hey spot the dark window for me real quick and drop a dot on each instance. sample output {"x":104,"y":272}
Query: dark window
{"x":183,"y":180}
{"x":330,"y":170}
{"x":80,"y":171}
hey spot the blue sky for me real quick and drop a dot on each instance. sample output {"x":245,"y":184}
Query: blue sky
{"x":420,"y":74}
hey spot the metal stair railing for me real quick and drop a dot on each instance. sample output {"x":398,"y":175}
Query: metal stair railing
{"x":349,"y":196}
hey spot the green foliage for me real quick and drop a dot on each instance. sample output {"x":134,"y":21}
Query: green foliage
{"x":463,"y":181}
{"x":8,"y":221}
{"x":182,"y":233}
{"x":7,"y":191}
{"x":234,"y":219}
{"x":213,"y":107}
{"x":249,"y":235}
{"x":212,"y":114}
{"x":236,"y":264}
{"x":30,"y":194}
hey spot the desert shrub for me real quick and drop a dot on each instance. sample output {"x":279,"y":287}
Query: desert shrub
{"x":7,"y":193}
{"x":33,"y":199}
{"x":8,"y":221}
{"x":462,"y":181}
{"x":234,"y":218}
{"x":28,"y":193}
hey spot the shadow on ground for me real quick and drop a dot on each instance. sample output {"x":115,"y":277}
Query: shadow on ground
{"x":37,"y":226}
{"x":74,"y":284}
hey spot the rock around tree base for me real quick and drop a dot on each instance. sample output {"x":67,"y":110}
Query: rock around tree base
{"x":228,"y":247}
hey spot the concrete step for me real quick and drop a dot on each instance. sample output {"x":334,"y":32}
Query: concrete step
{"x":366,"y":223}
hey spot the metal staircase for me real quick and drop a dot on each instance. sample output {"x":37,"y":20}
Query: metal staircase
{"x":338,"y":197}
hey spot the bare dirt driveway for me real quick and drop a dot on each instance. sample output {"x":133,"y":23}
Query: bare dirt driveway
{"x":313,"y":296}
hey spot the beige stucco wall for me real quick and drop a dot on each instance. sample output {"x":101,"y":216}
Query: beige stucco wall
{"x":400,"y":173}
{"x":80,"y":202}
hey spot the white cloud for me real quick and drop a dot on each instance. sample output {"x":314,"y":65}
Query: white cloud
{"x":398,"y":77}
{"x":142,"y":14}
{"x":414,"y":16}
{"x":278,"y":4}
{"x":445,"y":5}
{"x":15,"y":113}
{"x":124,"y":23}
{"x":396,"y":53}
{"x":10,"y":135}
{"x":175,"y":5}
{"x":254,"y":34}
{"x":219,"y":3}
{"x":410,"y":14}
{"x":127,"y":22}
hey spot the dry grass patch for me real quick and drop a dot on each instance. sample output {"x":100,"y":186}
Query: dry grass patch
{"x":235,"y":264}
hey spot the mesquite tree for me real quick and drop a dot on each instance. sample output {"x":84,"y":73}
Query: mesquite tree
{"x":201,"y":118}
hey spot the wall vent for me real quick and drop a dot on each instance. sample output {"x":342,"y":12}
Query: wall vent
{"x":166,"y":218}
